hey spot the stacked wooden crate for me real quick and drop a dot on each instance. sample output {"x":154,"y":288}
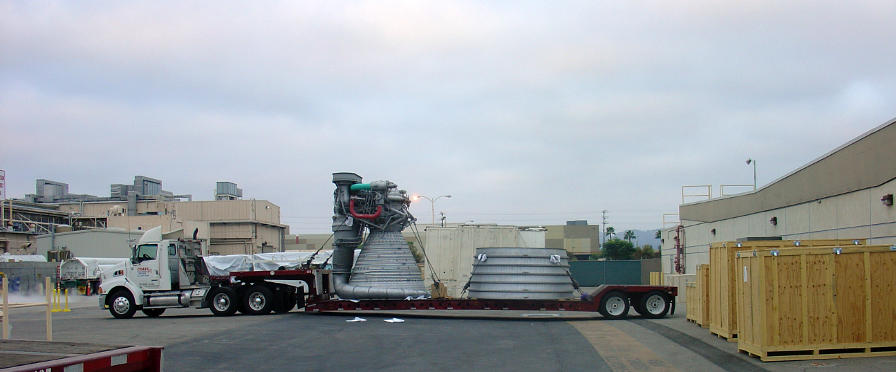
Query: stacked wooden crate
{"x":816,"y":303}
{"x":702,"y":296}
{"x":722,"y":277}
{"x":692,"y":302}
{"x":656,"y":278}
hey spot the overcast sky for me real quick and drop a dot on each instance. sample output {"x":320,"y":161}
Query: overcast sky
{"x":525,"y":112}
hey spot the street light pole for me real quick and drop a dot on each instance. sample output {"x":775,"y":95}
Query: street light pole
{"x":432,"y":204}
{"x":751,"y":160}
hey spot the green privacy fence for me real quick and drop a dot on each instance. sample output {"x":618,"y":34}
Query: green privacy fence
{"x":595,"y":273}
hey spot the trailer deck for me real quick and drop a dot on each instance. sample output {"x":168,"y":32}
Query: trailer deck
{"x":611,"y":301}
{"x":589,"y":303}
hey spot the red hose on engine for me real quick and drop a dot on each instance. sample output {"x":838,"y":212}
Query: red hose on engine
{"x":351,"y":209}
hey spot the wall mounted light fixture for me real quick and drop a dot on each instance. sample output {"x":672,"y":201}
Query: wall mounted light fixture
{"x":774,"y":221}
{"x":887,"y":200}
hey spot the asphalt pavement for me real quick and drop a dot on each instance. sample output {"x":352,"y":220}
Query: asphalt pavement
{"x":196,"y":340}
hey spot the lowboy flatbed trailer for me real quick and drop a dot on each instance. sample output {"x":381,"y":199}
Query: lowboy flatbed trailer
{"x":611,"y":301}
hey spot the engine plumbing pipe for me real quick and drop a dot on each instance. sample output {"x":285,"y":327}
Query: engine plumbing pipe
{"x":351,"y":208}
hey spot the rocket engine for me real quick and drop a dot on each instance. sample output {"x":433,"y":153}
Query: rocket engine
{"x":385,"y":269}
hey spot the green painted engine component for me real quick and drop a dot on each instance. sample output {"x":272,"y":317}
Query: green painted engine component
{"x":360,"y":186}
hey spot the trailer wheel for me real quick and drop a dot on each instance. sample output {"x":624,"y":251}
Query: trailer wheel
{"x":121,"y":304}
{"x":259,"y":300}
{"x":614,"y":305}
{"x":153,"y":313}
{"x":654,"y":304}
{"x":222,"y":301}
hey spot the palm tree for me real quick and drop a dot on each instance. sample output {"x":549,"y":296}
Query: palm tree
{"x":610,"y":232}
{"x":629,"y":235}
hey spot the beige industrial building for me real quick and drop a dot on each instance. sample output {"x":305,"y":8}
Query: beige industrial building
{"x":578,"y":238}
{"x":231,"y":226}
{"x":87,"y":243}
{"x":845,"y":194}
{"x":307,"y":242}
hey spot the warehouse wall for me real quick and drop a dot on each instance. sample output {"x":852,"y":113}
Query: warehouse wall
{"x":213,"y":210}
{"x":837,"y":196}
{"x":855,"y":215}
{"x":91,"y":243}
{"x":451,"y":250}
{"x":864,"y":162}
{"x":143,"y":223}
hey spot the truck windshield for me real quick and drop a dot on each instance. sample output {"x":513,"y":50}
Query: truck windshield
{"x":146,"y":252}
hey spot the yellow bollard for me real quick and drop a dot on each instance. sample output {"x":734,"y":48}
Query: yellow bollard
{"x":66,"y":309}
{"x":56,"y":307}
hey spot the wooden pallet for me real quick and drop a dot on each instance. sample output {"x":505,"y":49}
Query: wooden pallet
{"x":812,"y":353}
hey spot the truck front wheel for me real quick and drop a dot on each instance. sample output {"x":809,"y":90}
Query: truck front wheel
{"x":259,"y":300}
{"x":222,"y":301}
{"x":121,"y":304}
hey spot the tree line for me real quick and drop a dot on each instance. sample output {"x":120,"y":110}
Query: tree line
{"x":623,"y":249}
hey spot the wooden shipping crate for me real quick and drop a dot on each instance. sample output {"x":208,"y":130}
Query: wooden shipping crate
{"x":702,"y":296}
{"x":722,"y":299}
{"x":691,"y":304}
{"x":817,"y":303}
{"x":656,"y":278}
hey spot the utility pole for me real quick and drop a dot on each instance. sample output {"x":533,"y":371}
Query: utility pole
{"x":753,"y":161}
{"x":603,"y":234}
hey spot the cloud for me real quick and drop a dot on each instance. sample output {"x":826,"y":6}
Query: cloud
{"x":526,"y":112}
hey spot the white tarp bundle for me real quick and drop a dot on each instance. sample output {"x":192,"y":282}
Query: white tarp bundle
{"x":87,"y":267}
{"x":6,"y":257}
{"x":224,"y":265}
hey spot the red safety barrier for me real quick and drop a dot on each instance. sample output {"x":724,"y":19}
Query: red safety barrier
{"x":129,"y":359}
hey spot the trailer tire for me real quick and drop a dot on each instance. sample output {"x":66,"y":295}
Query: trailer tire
{"x":153,"y":313}
{"x":655,"y":305}
{"x":614,"y":305}
{"x":259,"y":300}
{"x":222,"y":301}
{"x":121,"y":304}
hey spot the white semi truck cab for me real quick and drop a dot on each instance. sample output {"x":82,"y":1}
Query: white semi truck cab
{"x":162,"y":273}
{"x":170,"y":273}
